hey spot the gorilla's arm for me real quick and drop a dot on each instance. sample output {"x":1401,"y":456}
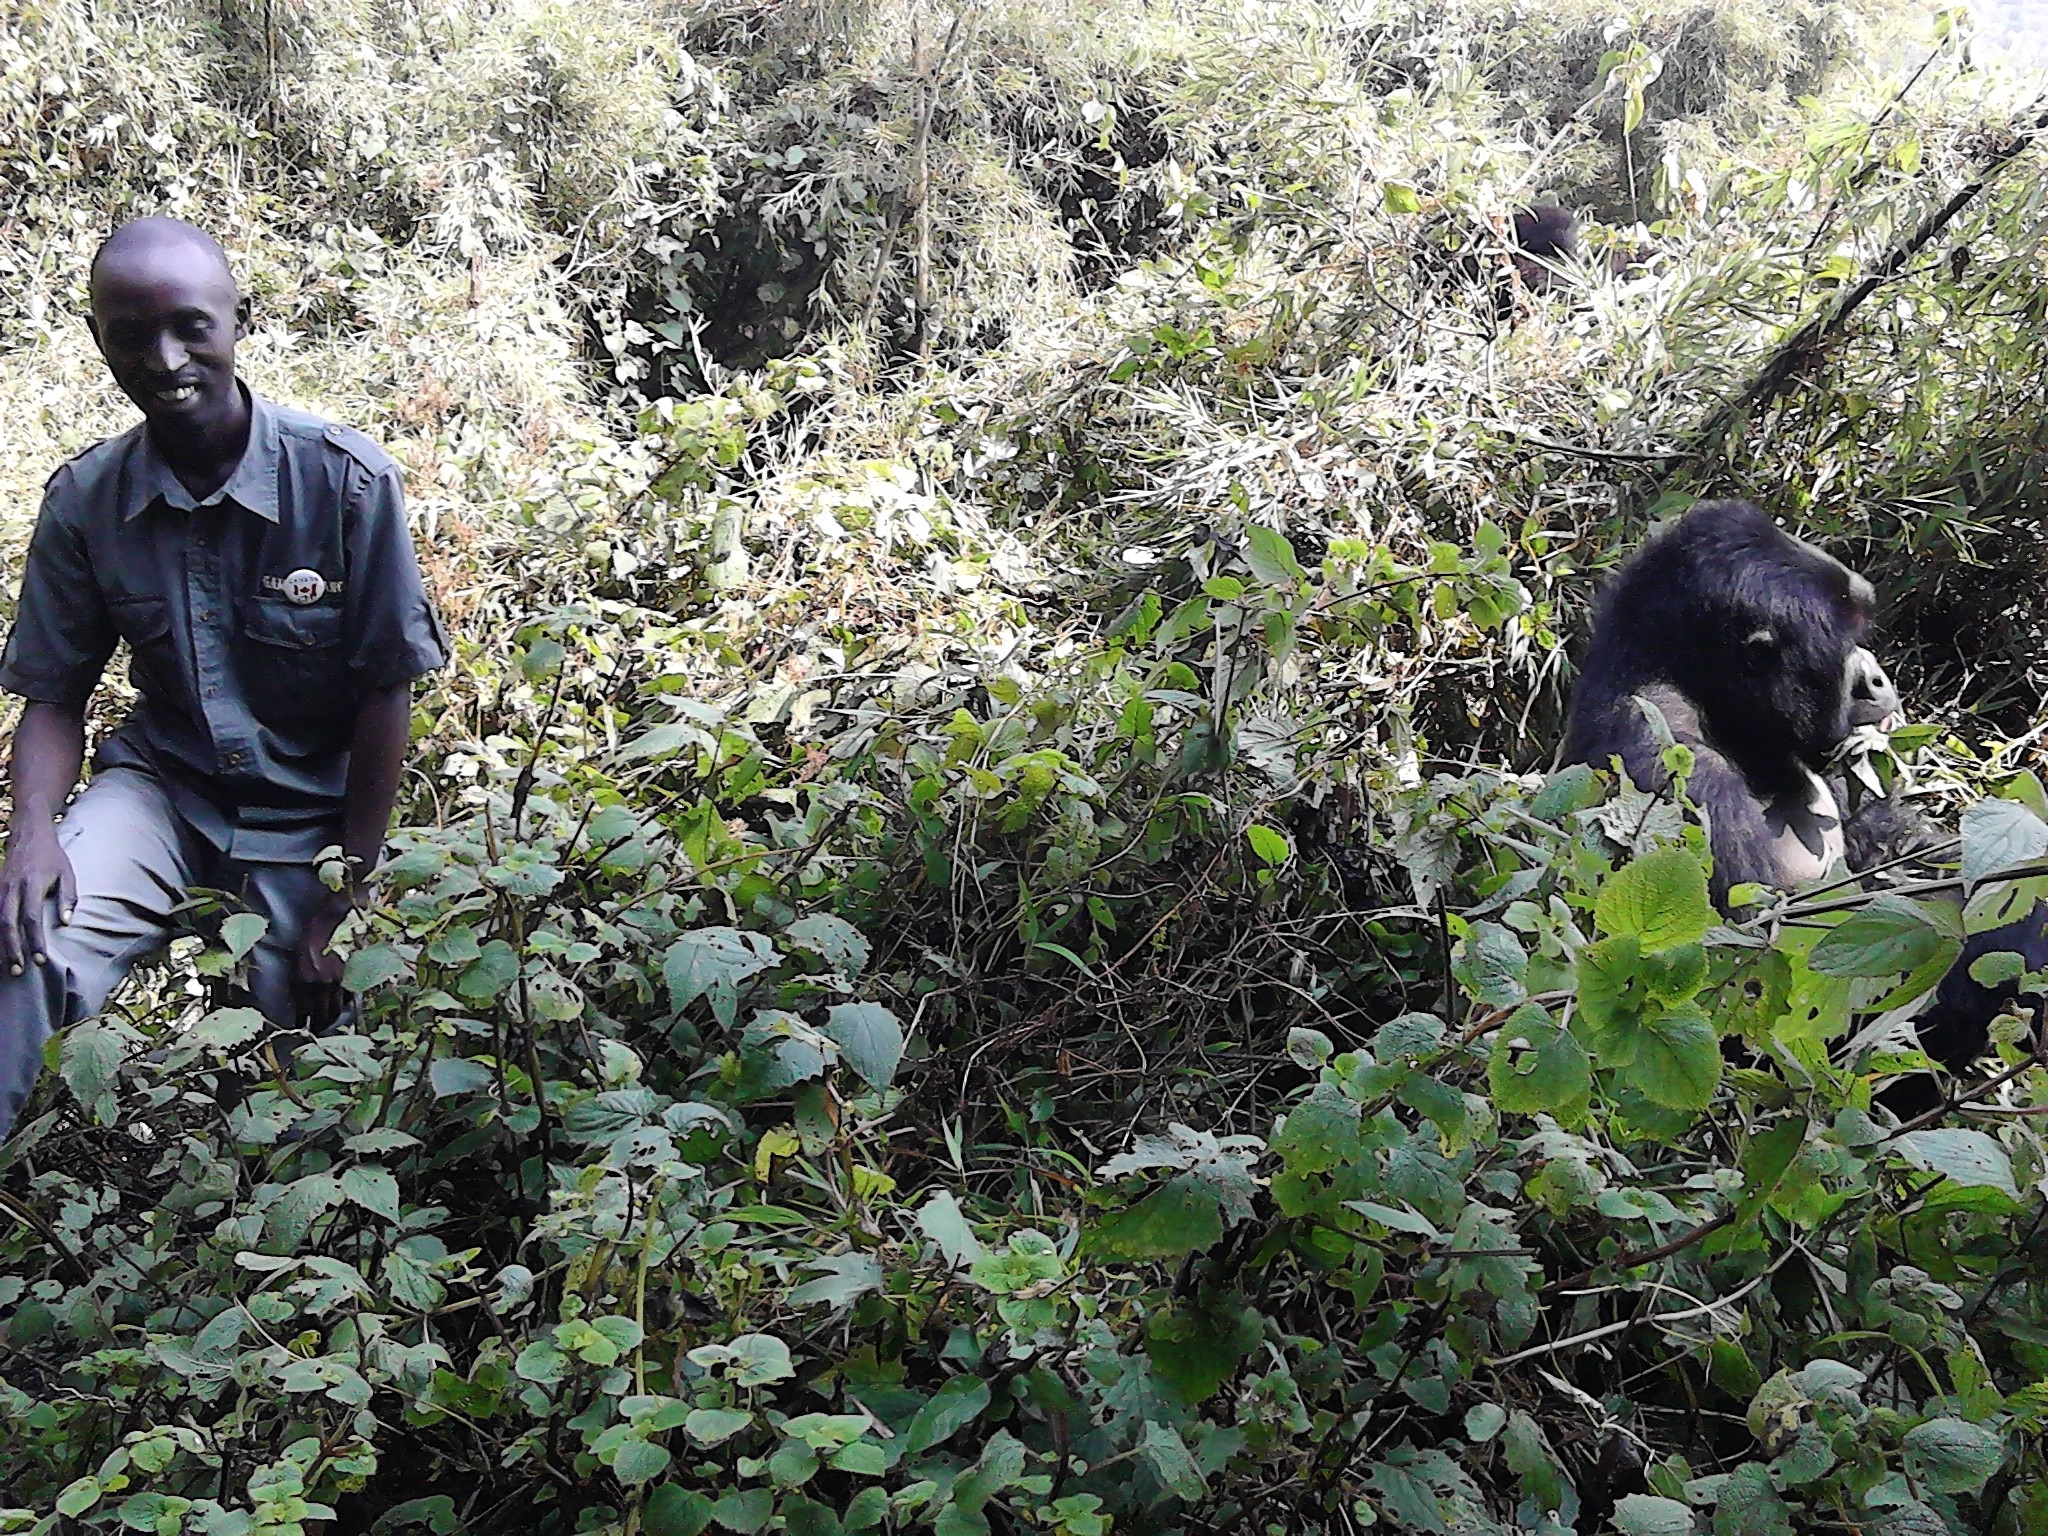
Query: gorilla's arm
{"x":1884,"y":828}
{"x":1742,"y":841}
{"x":1956,"y":1027}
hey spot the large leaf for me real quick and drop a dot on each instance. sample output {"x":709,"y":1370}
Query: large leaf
{"x":1643,"y":1514}
{"x":1967,"y":1157}
{"x":711,"y":963}
{"x":951,"y":1409}
{"x":1678,"y":1059}
{"x":1538,"y":1069}
{"x":1180,"y":1217}
{"x":1954,"y":1456}
{"x":1890,"y":936}
{"x":841,"y":1278}
{"x":832,"y":939}
{"x":869,"y":1038}
{"x":2000,"y":834}
{"x":1660,"y":900}
{"x":1171,"y":1461}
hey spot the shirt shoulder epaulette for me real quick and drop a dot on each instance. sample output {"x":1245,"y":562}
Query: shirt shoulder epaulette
{"x":304,"y":425}
{"x":360,"y":448}
{"x":89,"y":462}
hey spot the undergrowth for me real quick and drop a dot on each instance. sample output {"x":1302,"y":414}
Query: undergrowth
{"x":981,"y":940}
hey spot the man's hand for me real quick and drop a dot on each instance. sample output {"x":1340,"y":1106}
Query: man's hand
{"x":49,"y":749}
{"x":316,"y":969}
{"x":36,"y":868}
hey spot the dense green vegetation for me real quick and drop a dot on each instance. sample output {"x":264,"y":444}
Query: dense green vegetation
{"x":982,"y":942}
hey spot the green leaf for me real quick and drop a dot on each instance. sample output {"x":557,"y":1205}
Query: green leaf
{"x":1492,"y":966}
{"x":1483,"y":1421}
{"x":711,"y":963}
{"x":832,"y":939}
{"x":761,"y":1358}
{"x":1764,"y":1163}
{"x":843,"y":1278}
{"x":674,"y":1511}
{"x":1999,"y":835}
{"x":1642,"y":1514}
{"x":374,"y":1189}
{"x":1180,"y":1217}
{"x":1969,"y":1158}
{"x":1271,"y":557}
{"x":241,"y":931}
{"x":1750,"y":1506}
{"x":1272,"y":847}
{"x":372,"y":967}
{"x":951,"y":1409}
{"x":941,"y":1219}
{"x":746,"y":1512}
{"x":1171,"y":1461}
{"x":1399,"y":197}
{"x":1678,"y":1059}
{"x":225,"y":1029}
{"x":1890,"y":936}
{"x":639,"y":1461}
{"x":89,"y":1058}
{"x":450,"y":1075}
{"x":1537,"y":1068}
{"x":870,"y":1039}
{"x":709,"y":1426}
{"x":541,"y":660}
{"x":1660,"y":900}
{"x":80,"y":1496}
{"x":493,"y":971}
{"x":1952,"y":1456}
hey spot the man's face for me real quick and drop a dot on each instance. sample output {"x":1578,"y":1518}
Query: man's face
{"x":166,"y":317}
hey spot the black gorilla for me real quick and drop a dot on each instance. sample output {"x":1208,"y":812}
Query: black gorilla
{"x":1546,"y":237}
{"x":1748,"y":643}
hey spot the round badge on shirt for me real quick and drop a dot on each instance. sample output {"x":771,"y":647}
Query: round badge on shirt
{"x":305,"y":586}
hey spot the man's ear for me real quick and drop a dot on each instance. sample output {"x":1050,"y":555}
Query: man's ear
{"x":92,"y":324}
{"x":242,"y":317}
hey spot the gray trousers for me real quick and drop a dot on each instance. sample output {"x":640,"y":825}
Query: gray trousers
{"x":135,"y":858}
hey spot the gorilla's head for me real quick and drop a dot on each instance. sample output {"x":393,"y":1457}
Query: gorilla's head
{"x":1761,"y":630}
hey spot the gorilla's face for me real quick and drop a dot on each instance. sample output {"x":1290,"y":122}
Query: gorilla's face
{"x":1872,"y":699}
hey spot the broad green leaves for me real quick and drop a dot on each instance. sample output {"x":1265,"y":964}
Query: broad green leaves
{"x":1539,"y":1068}
{"x":1659,"y":900}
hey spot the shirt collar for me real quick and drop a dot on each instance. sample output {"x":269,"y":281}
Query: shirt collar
{"x":252,"y":486}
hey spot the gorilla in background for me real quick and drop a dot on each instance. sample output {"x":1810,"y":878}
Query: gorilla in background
{"x":1748,"y":643}
{"x":1546,"y":237}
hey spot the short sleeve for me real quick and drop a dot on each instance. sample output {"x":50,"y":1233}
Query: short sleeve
{"x":392,"y":632}
{"x":62,"y":635}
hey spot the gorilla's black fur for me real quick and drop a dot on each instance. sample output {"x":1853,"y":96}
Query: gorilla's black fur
{"x":1748,"y":643}
{"x":1546,"y":237}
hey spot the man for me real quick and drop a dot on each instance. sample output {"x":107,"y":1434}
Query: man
{"x":257,"y":562}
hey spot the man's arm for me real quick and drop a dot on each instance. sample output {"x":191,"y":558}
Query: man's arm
{"x":376,"y":760}
{"x":49,"y":750}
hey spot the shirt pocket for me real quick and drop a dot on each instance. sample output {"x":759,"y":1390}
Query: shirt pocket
{"x":293,"y":669}
{"x":145,"y":623}
{"x":141,"y":621}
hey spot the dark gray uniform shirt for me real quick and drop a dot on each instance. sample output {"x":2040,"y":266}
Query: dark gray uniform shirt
{"x":254,"y":619}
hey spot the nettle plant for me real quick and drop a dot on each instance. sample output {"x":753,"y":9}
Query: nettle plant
{"x":643,"y":1195}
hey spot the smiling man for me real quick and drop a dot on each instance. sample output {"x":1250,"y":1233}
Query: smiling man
{"x":257,"y":561}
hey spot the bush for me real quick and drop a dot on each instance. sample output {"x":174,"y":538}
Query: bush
{"x":982,"y":944}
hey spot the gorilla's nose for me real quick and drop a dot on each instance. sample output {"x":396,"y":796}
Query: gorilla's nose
{"x":1872,"y":698}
